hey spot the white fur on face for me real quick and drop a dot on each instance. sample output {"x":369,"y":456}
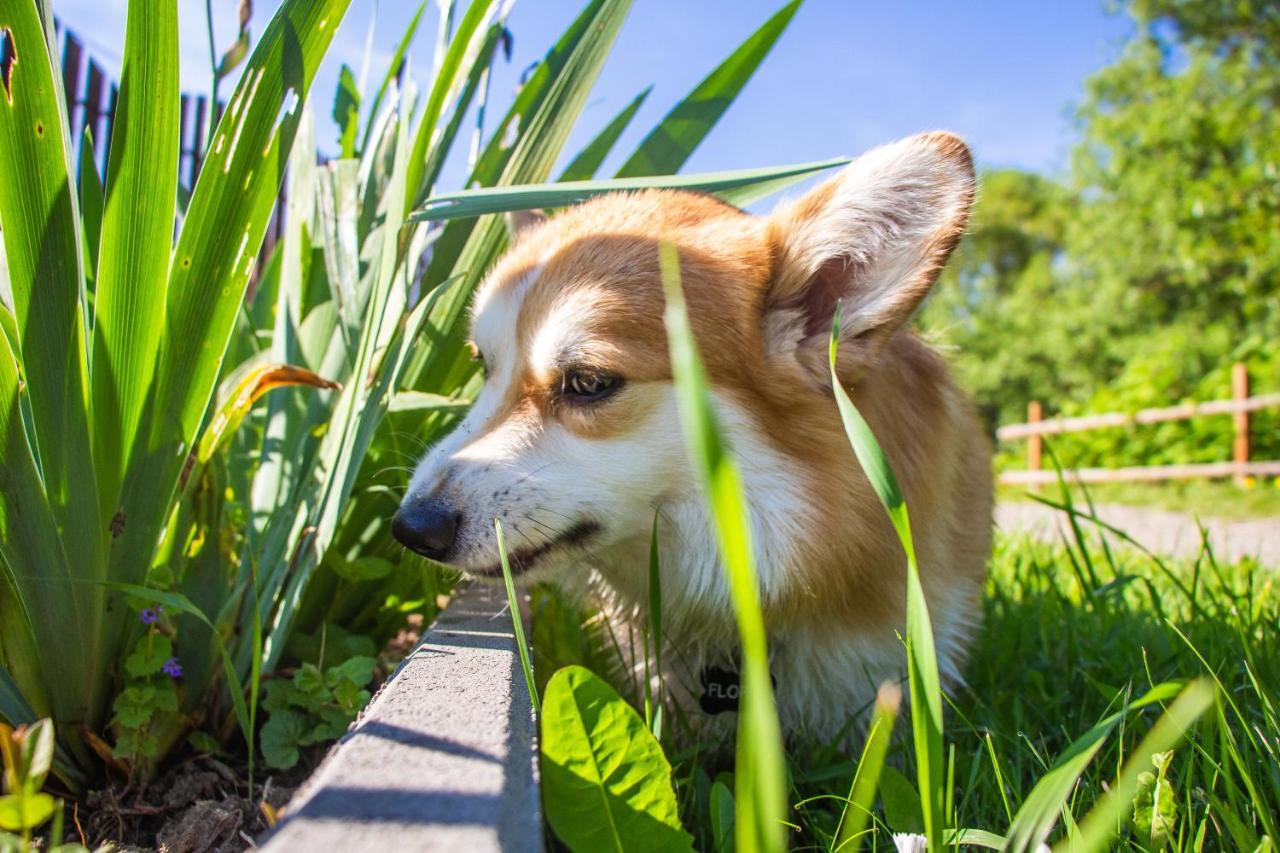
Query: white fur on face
{"x":541,"y":480}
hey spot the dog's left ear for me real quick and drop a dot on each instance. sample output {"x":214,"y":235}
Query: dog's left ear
{"x":874,"y":239}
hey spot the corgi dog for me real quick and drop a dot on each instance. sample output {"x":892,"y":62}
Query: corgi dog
{"x":574,"y":440}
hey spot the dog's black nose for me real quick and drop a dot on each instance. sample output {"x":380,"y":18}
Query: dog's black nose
{"x":426,"y":527}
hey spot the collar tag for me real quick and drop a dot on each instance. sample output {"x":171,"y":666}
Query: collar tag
{"x":720,"y":690}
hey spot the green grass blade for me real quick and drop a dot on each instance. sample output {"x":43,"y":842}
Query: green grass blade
{"x":517,"y":622}
{"x":856,"y":815}
{"x":464,"y":48}
{"x":1097,"y":830}
{"x":477,"y":202}
{"x":393,"y":69}
{"x":922,"y":663}
{"x":760,"y":774}
{"x":584,"y":166}
{"x":1044,"y":804}
{"x":137,"y":230}
{"x":669,"y":145}
{"x":655,"y":624}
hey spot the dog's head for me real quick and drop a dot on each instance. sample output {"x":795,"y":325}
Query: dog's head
{"x":574,"y":440}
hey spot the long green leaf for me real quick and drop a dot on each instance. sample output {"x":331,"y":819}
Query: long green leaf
{"x":669,"y":145}
{"x":91,"y":201}
{"x":922,"y":663}
{"x":760,"y":774}
{"x":477,"y":202}
{"x":137,"y":228}
{"x":584,"y":166}
{"x":606,"y":783}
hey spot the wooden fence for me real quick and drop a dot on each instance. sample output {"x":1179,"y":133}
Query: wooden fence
{"x":1240,"y":466}
{"x":91,"y":105}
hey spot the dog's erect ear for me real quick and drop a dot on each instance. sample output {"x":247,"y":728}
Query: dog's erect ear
{"x":874,"y":239}
{"x":520,"y":221}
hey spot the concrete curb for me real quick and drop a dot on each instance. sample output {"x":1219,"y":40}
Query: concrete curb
{"x":445,"y":757}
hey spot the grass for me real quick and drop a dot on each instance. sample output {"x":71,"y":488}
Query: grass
{"x":1063,"y":646}
{"x":1207,"y":498}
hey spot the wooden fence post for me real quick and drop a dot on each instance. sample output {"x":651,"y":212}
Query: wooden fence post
{"x":1035,"y":442}
{"x":1240,"y":392}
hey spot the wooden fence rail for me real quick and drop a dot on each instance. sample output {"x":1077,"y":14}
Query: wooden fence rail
{"x":1240,"y":466}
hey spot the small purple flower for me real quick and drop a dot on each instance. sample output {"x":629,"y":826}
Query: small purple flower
{"x":150,"y":615}
{"x":172,"y":668}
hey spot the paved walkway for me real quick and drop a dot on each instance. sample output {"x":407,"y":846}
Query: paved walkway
{"x":1164,"y":532}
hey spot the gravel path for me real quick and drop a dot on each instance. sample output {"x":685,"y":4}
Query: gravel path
{"x":1172,"y":533}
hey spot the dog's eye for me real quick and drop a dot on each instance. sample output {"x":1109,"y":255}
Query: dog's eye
{"x":588,"y":386}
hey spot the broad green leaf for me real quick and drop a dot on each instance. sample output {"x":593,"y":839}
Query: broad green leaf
{"x":606,"y":784}
{"x":137,"y":232}
{"x":43,"y":249}
{"x":722,"y":817}
{"x":1042,"y":807}
{"x":902,"y":806}
{"x":760,"y":774}
{"x":45,"y":659}
{"x":20,"y":813}
{"x":584,"y":166}
{"x":922,"y":663}
{"x":526,"y":197}
{"x":669,"y":145}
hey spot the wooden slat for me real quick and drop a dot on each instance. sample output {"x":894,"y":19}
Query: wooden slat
{"x":1150,"y":472}
{"x":93,"y":104}
{"x":71,"y":53}
{"x":1054,"y":426}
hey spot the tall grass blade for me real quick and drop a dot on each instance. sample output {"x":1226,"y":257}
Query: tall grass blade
{"x":476,"y":202}
{"x":1044,"y":804}
{"x":1098,"y":829}
{"x":760,"y":774}
{"x":922,"y":663}
{"x":517,"y":622}
{"x":856,"y":814}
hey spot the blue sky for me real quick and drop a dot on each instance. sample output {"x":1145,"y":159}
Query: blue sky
{"x":846,"y":75}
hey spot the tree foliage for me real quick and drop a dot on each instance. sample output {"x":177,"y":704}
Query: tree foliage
{"x":1136,"y":279}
